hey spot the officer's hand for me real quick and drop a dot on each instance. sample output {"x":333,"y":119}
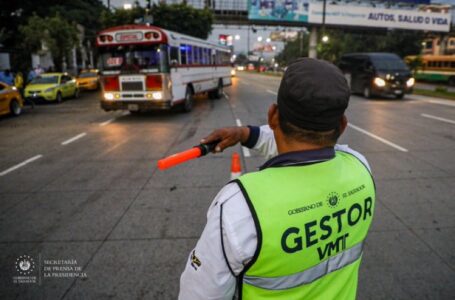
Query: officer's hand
{"x":228,"y":136}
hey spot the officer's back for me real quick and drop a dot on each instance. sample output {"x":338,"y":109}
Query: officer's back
{"x":309,"y":207}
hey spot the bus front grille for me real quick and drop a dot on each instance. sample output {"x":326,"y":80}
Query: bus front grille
{"x":132,"y":86}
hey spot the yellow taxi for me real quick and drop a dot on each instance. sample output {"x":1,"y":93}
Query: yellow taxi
{"x":11,"y":101}
{"x":89,"y":80}
{"x":52,"y":87}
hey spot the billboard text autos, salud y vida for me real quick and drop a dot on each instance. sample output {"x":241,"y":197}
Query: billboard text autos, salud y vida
{"x":365,"y":16}
{"x":350,"y":14}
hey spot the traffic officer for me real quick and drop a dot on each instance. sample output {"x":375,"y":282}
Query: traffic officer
{"x":296,"y":228}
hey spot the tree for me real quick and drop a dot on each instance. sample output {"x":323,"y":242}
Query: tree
{"x":181,"y":18}
{"x":293,"y":50}
{"x":55,"y":33}
{"x":340,"y":42}
{"x":14,"y":14}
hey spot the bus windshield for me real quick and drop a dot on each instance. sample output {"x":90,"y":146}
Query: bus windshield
{"x":132,"y":59}
{"x":388,"y":63}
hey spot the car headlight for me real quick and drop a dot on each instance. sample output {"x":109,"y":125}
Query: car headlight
{"x":109,"y":96}
{"x":411,"y":81}
{"x":379,"y":82}
{"x":49,"y":90}
{"x":157,"y":95}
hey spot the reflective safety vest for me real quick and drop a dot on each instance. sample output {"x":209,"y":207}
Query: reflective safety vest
{"x":311,"y":222}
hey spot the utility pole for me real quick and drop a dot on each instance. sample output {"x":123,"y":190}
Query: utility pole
{"x":248,"y":41}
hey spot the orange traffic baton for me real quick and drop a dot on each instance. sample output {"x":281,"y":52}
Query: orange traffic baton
{"x":178,"y":158}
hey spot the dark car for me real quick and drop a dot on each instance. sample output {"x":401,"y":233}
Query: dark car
{"x":377,"y":74}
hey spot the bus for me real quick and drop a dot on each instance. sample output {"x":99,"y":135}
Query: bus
{"x":146,"y":67}
{"x":435,"y":68}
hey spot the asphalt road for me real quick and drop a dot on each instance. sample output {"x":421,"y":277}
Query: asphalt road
{"x":80,"y":185}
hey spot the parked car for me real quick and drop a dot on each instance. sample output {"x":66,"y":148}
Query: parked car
{"x":89,"y":80}
{"x":11,"y":101}
{"x":52,"y":87}
{"x":377,"y":74}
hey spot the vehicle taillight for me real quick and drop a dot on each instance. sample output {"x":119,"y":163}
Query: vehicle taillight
{"x":153,"y":82}
{"x":148,"y":35}
{"x":102,"y":38}
{"x":156,"y":35}
{"x":110,"y":83}
{"x":110,"y":38}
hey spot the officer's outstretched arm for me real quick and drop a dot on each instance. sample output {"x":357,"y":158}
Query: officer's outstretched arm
{"x":260,"y":139}
{"x":228,"y":136}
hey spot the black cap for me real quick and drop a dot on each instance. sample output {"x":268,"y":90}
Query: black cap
{"x":313,"y":95}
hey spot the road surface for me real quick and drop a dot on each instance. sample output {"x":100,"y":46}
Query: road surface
{"x":80,"y":185}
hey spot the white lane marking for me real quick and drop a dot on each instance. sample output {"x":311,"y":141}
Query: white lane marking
{"x":377,"y":138}
{"x":125,"y":113}
{"x":438,"y":118}
{"x":245,"y":83}
{"x":107,"y":122}
{"x":245,"y":150}
{"x":272,"y":92}
{"x":74,"y":138}
{"x":442,"y":102}
{"x":226,"y":96}
{"x":3,"y":173}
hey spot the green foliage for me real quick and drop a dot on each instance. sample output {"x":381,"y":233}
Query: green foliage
{"x":340,"y":42}
{"x":184,"y":19}
{"x":181,"y":18}
{"x":293,"y":50}
{"x":55,"y":33}
{"x":121,"y":16}
{"x":15,"y":14}
{"x":241,"y":59}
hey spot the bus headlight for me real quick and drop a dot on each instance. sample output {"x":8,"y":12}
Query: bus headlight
{"x":379,"y":82}
{"x":411,"y":81}
{"x":109,"y":96}
{"x":157,"y":95}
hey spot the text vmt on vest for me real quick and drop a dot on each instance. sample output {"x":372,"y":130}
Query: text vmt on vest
{"x":291,"y":240}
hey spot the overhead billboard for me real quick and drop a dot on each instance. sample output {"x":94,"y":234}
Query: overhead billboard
{"x":382,"y":17}
{"x":278,"y":10}
{"x":410,"y":14}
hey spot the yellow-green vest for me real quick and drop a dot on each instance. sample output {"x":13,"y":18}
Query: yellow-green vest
{"x":311,"y":222}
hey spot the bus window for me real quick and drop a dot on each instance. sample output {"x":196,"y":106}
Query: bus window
{"x":183,"y":54}
{"x":206,"y":56}
{"x":196,"y":58}
{"x":202,"y":54}
{"x":189,"y":53}
{"x":174,"y":55}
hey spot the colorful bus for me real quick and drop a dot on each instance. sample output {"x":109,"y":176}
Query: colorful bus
{"x":146,"y":67}
{"x":435,"y":68}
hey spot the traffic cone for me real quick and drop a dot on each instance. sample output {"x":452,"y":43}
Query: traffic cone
{"x":236,"y":168}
